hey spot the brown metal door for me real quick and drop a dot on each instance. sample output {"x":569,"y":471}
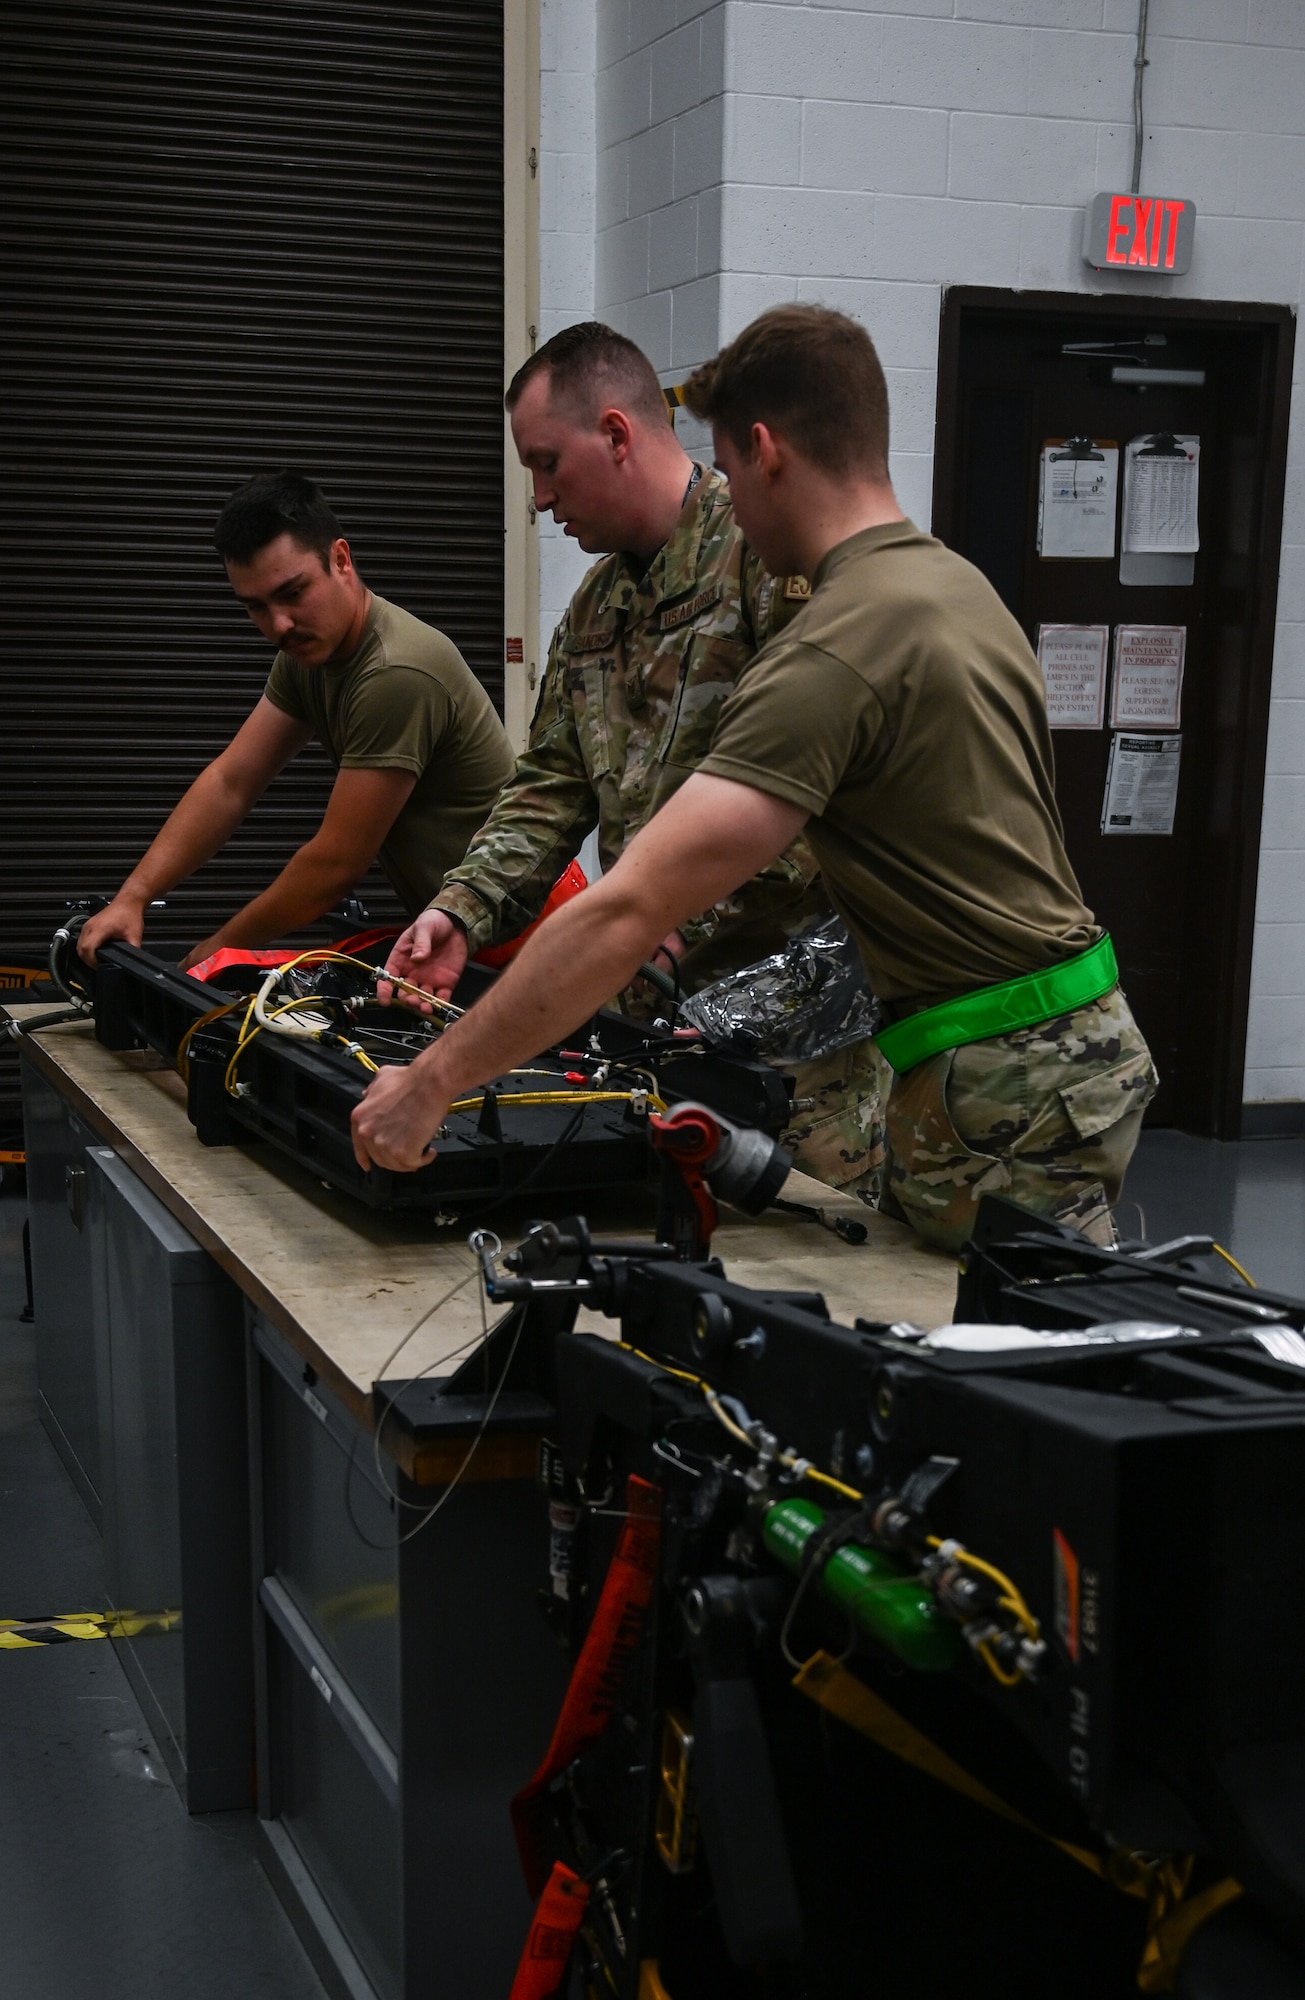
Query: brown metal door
{"x":1180,"y":907}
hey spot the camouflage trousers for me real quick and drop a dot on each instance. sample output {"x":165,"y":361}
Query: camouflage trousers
{"x":1048,"y":1115}
{"x":838,"y":1137}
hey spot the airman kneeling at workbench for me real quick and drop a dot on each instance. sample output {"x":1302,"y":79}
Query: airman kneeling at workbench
{"x":900,"y":720}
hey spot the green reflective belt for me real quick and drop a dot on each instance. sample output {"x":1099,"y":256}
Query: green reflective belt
{"x":1000,"y":1010}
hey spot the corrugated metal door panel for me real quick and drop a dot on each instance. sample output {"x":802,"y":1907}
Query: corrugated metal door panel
{"x":235,"y":236}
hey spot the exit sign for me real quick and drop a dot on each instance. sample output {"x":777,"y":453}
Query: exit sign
{"x":1139,"y":232}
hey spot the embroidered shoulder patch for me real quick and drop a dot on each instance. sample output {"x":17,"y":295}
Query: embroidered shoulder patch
{"x":682,"y":614}
{"x":796,"y":589}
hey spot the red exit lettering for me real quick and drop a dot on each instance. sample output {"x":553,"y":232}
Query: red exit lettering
{"x":1136,"y":233}
{"x":1121,"y":219}
{"x":1142,"y":231}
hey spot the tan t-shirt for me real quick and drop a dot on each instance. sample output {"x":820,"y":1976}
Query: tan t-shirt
{"x":903,"y":708}
{"x":406,"y":700}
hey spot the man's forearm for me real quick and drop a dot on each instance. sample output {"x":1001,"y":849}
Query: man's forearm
{"x":773,"y":893}
{"x":575,"y":961}
{"x":538,"y":824}
{"x":572,"y":965}
{"x":198,"y":825}
{"x":311,"y":882}
{"x":509,"y":871}
{"x":712,"y":835}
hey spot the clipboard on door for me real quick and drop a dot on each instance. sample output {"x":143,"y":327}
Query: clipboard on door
{"x":1078,"y":495}
{"x":1160,"y":539}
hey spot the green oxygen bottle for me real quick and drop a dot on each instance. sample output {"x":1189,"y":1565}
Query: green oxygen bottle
{"x":884,"y":1600}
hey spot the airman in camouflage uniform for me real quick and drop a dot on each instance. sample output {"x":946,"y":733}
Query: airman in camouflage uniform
{"x":1058,"y":1103}
{"x":636,"y":674}
{"x":903,"y":724}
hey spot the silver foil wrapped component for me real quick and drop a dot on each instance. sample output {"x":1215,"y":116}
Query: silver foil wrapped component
{"x":795,"y":1006}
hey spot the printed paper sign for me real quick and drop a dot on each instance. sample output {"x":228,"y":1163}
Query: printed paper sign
{"x":1161,"y":488}
{"x":1141,"y":784}
{"x":1076,"y":499}
{"x":1147,"y":689}
{"x":1073,"y":663}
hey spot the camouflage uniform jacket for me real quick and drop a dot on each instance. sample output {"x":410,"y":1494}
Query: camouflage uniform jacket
{"x":636,"y":675}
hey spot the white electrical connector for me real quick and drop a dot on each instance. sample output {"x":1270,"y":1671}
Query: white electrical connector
{"x":308,"y":1026}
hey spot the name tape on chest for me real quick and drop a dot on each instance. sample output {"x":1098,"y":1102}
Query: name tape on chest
{"x":591,"y":642}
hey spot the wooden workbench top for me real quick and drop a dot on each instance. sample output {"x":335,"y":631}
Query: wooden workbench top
{"x":346,"y":1284}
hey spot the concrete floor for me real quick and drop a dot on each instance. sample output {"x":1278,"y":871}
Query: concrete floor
{"x":108,"y":1889}
{"x":1248,"y":1194}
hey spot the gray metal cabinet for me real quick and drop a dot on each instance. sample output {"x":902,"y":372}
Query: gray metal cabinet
{"x":56,"y":1143}
{"x":407,"y":1688}
{"x":169,"y":1338}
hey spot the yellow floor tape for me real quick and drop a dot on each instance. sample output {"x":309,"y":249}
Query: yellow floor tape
{"x":1173,"y":1918}
{"x":19,"y":1633}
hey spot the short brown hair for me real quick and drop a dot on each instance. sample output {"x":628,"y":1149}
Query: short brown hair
{"x":592,"y":364}
{"x":808,"y":372}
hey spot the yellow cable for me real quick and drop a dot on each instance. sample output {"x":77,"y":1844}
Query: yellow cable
{"x":323,"y":955}
{"x":229,"y":1080}
{"x":995,"y":1668}
{"x":666,"y":1368}
{"x":826,"y":1479}
{"x":317,"y":955}
{"x":1228,"y":1258}
{"x":183,"y":1046}
{"x":522,"y":1097}
{"x":241,"y":1038}
{"x":724,"y":1418}
{"x":245,"y":1039}
{"x":1011,"y":1598}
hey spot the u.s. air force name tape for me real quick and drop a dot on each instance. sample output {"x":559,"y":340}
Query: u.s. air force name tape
{"x":18,"y":1633}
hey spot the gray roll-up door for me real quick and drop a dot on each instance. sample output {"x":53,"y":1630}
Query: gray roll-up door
{"x":234,"y":236}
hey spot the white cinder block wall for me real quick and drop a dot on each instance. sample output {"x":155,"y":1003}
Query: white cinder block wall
{"x":748,"y":151}
{"x":567,"y":66}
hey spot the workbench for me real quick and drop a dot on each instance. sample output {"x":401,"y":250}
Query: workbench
{"x":400,"y":1681}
